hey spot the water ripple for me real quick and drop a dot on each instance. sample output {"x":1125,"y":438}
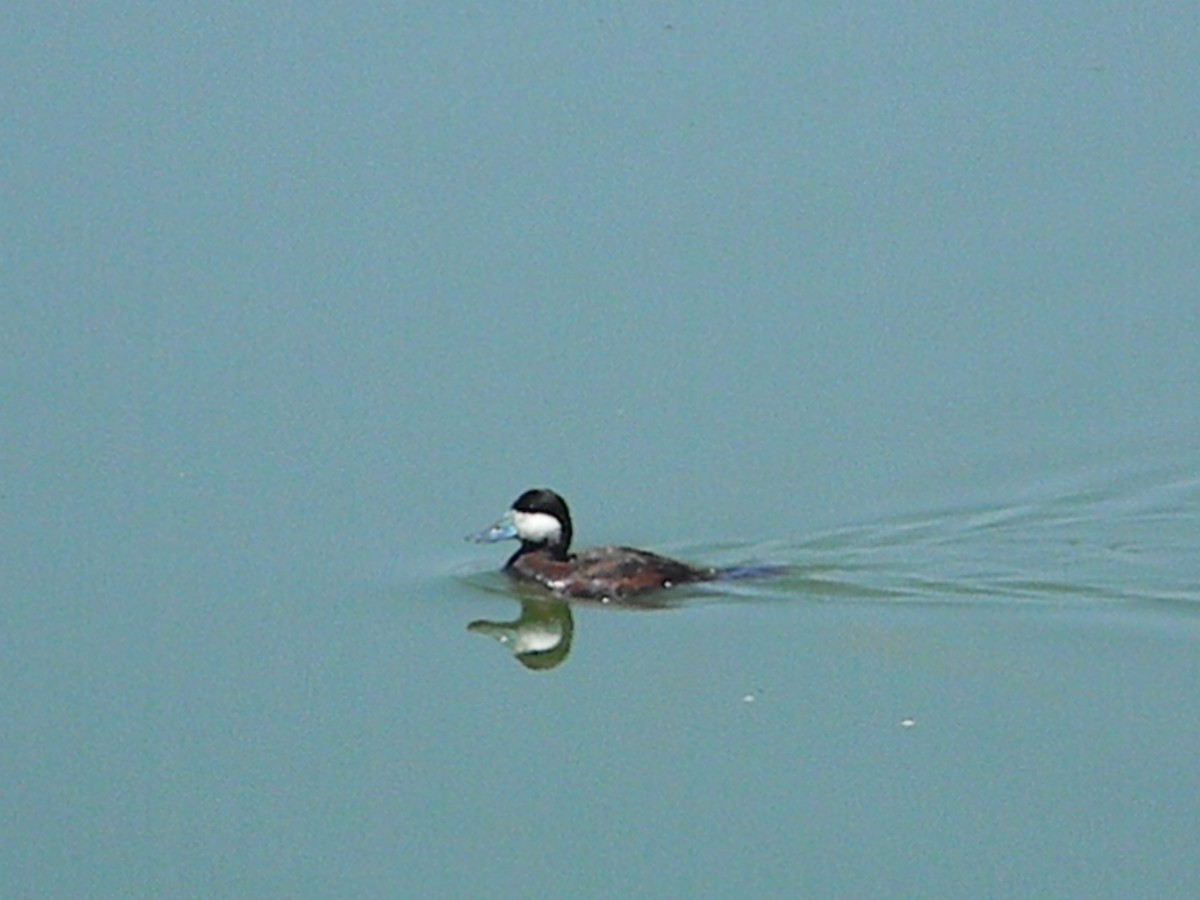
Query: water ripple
{"x":1125,"y":538}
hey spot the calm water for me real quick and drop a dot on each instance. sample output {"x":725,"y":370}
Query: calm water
{"x":902,"y":299}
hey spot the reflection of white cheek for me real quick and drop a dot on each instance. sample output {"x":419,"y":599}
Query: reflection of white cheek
{"x":536,"y":527}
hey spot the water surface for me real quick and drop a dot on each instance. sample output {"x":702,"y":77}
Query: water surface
{"x":903,"y":298}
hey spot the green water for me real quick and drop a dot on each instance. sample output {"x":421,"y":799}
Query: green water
{"x":901,"y":299}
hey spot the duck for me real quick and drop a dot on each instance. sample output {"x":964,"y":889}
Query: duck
{"x":541,"y":520}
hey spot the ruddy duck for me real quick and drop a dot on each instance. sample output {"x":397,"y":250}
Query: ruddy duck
{"x":540,"y":520}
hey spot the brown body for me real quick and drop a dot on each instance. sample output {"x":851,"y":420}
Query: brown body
{"x":603,"y":572}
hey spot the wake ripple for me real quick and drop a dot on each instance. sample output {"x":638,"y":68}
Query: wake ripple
{"x":1110,"y":538}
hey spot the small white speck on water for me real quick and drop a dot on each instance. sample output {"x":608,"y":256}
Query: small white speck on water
{"x":749,"y":698}
{"x":908,"y":723}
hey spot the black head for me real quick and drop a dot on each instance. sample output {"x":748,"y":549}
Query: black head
{"x":528,"y":511}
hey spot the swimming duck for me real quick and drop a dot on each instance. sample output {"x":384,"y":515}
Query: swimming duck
{"x":541,"y":521}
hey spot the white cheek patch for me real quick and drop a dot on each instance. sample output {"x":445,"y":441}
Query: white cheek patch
{"x":536,"y":527}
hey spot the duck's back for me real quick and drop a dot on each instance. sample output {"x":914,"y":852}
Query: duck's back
{"x":608,"y":572}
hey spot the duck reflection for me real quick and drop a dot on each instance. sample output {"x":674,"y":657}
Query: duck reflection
{"x":540,"y":638}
